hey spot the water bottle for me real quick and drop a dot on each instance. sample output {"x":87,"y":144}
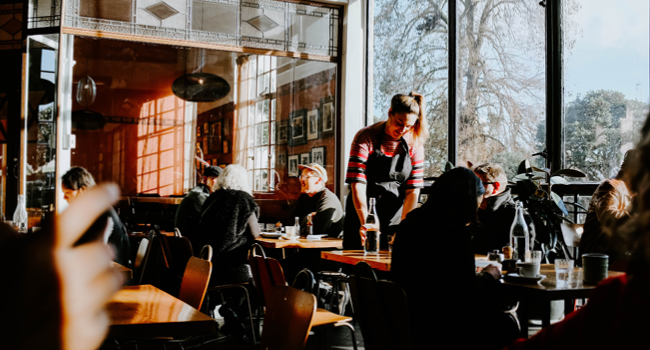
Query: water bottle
{"x":20,"y":215}
{"x":296,"y":227}
{"x":519,"y":235}
{"x":371,"y":245}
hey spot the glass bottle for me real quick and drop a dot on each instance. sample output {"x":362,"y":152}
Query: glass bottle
{"x":20,"y":215}
{"x":310,"y":225}
{"x":296,"y":227}
{"x":519,"y":235}
{"x":371,"y":245}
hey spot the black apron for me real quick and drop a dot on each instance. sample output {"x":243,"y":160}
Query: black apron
{"x":386,"y":182}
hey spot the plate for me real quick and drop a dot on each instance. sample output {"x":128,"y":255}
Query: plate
{"x":270,"y":234}
{"x":513,"y":277}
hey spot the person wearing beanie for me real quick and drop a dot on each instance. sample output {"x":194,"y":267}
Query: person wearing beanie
{"x":189,"y":211}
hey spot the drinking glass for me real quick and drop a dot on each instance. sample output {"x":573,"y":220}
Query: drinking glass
{"x":371,"y":245}
{"x":563,"y":268}
{"x":536,"y":256}
{"x":291,"y":232}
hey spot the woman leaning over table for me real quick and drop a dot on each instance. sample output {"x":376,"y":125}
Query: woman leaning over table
{"x":386,"y":163}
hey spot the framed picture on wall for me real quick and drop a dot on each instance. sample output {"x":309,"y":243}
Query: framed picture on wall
{"x":225,"y":147}
{"x":312,"y":124}
{"x":305,"y":158}
{"x":318,"y":155}
{"x":217,"y":129}
{"x":282,"y":160}
{"x":283,"y":132}
{"x":226,"y":127}
{"x":205,"y":146}
{"x":293,"y":165}
{"x":328,"y":116}
{"x":45,"y":112}
{"x":198,"y":131}
{"x":44,"y":133}
{"x":206,"y":128}
{"x":298,"y":128}
{"x":214,"y":144}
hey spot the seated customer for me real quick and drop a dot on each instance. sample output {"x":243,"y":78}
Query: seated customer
{"x":78,"y":180}
{"x":316,"y":199}
{"x":229,"y":224}
{"x":609,"y":207}
{"x":433,"y":261}
{"x":188,"y":213}
{"x":496,"y":212}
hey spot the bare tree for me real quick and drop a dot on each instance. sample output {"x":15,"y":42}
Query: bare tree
{"x":501,"y":71}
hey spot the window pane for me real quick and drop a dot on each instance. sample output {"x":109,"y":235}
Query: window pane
{"x":264,"y":157}
{"x":265,"y":110}
{"x":273,"y":76}
{"x":265,"y":180}
{"x":273,"y":109}
{"x":502,"y":85}
{"x":418,"y":63}
{"x":605,"y":82}
{"x":272,"y":133}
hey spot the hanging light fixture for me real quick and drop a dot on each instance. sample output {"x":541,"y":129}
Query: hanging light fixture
{"x":200,"y":87}
{"x":86,"y":91}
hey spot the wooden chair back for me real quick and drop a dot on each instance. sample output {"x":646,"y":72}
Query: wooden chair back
{"x":267,"y":272}
{"x":195,"y":282}
{"x":142,"y":258}
{"x":381,"y":308}
{"x":288,"y":318}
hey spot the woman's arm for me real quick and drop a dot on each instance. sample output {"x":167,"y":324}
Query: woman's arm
{"x":254,"y":226}
{"x":411,"y":201}
{"x":358,"y":194}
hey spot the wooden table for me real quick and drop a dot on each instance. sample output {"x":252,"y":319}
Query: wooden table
{"x":145,"y":312}
{"x":545,"y":291}
{"x":128,"y":273}
{"x":379,"y":261}
{"x":161,"y":200}
{"x":300,"y":243}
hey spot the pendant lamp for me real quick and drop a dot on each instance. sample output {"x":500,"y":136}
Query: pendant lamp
{"x":86,"y":91}
{"x":200,"y":87}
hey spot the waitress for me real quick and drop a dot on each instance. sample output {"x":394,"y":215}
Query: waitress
{"x":386,"y":163}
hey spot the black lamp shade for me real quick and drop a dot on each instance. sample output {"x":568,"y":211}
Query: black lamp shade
{"x":200,"y":87}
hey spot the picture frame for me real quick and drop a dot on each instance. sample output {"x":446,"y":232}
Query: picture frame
{"x":297,"y":131}
{"x":45,"y":112}
{"x":214,"y":144}
{"x":225,"y":147}
{"x":226,"y":127}
{"x":217,"y":129}
{"x":293,"y":165}
{"x":283,"y":132}
{"x":312,"y":124}
{"x":206,"y":128}
{"x":205,"y":146}
{"x":305,"y":158}
{"x":198,"y":131}
{"x":281,"y":159}
{"x":318,"y":155}
{"x":327,"y":117}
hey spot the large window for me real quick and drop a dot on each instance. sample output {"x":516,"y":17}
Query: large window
{"x":501,"y":83}
{"x":605,"y":82}
{"x":410,"y":54}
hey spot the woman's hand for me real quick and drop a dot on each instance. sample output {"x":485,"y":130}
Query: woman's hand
{"x":87,"y":277}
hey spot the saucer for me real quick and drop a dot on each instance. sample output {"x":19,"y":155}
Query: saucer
{"x":270,"y":234}
{"x":516,"y":278}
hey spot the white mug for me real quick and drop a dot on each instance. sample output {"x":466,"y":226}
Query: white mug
{"x":528,"y":269}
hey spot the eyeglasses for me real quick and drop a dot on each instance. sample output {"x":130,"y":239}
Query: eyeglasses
{"x":304,"y":177}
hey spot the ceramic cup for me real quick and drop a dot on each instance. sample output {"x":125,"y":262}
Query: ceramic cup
{"x":528,"y":269}
{"x":595,"y":267}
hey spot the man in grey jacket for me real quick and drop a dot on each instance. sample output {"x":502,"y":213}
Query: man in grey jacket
{"x":189,"y":211}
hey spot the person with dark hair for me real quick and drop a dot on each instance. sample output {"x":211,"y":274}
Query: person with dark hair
{"x":496,"y":212}
{"x":616,"y":316}
{"x":386,"y":163}
{"x":74,"y":183}
{"x":188,"y":213}
{"x":437,"y":235}
{"x":609,"y":207}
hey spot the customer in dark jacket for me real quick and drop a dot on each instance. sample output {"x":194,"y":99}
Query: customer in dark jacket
{"x":188,"y":213}
{"x":229,"y":225}
{"x":433,"y":261}
{"x":74,"y":183}
{"x":496,"y":212}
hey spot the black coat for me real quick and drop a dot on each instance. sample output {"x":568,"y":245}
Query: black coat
{"x":433,"y":261}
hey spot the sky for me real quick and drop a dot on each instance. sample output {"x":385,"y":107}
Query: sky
{"x":612,"y":50}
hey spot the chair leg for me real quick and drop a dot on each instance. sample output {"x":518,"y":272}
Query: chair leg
{"x":354,"y":338}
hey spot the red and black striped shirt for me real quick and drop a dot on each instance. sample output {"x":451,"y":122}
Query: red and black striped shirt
{"x":366,"y":142}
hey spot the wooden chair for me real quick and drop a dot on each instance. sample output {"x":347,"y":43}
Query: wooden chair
{"x":381,"y":309}
{"x":195,"y":282}
{"x":142,"y":257}
{"x":289,"y":317}
{"x":206,"y":253}
{"x":267,"y":273}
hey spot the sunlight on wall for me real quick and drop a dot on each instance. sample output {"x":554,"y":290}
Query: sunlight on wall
{"x":160,"y":145}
